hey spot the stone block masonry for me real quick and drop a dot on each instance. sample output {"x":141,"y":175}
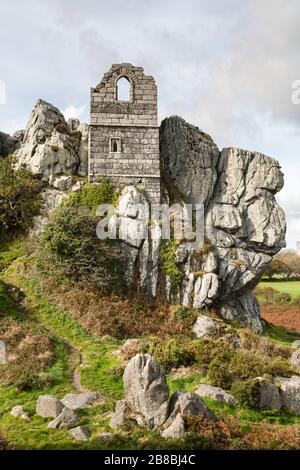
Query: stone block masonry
{"x":124,"y":135}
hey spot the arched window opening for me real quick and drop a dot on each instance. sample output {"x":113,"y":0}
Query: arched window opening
{"x":123,"y":89}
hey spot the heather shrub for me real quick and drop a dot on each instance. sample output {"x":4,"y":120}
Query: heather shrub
{"x":169,"y":354}
{"x":246,"y":392}
{"x":70,"y":249}
{"x":218,"y":371}
{"x":28,"y":354}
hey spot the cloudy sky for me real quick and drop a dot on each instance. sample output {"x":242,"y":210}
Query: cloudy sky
{"x":225,"y":65}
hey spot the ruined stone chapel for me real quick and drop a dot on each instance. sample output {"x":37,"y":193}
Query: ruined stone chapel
{"x":124,"y":135}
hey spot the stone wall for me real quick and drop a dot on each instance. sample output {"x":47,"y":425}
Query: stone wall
{"x":124,"y":136}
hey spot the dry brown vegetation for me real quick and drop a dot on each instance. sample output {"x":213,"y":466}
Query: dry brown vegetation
{"x":116,"y":316}
{"x":28,"y":354}
{"x":227,"y":433}
{"x":287,"y":316}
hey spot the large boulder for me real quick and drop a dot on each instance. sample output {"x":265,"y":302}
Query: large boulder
{"x":189,"y":159}
{"x":244,"y":225}
{"x":146,"y":389}
{"x":49,"y":147}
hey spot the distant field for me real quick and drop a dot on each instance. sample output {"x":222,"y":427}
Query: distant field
{"x":290,"y":287}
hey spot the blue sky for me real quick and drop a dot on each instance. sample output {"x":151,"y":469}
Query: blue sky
{"x":224,"y":65}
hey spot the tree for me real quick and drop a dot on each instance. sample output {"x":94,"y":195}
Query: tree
{"x":277,"y":267}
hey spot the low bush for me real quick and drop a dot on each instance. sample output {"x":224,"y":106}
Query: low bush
{"x":70,"y":249}
{"x":91,"y":196}
{"x":170,"y":354}
{"x":218,"y":370}
{"x":246,"y":392}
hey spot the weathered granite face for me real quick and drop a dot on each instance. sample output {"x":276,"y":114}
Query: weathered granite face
{"x":244,"y":225}
{"x":49,"y":146}
{"x":124,"y":135}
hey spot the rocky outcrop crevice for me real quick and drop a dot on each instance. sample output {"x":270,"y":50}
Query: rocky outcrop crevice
{"x":50,"y":146}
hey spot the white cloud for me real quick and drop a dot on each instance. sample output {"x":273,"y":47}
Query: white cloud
{"x":73,"y":111}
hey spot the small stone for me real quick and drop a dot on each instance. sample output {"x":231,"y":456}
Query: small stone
{"x":48,"y":406}
{"x":18,"y":412}
{"x":67,"y":418}
{"x":215,"y":393}
{"x":176,"y":429}
{"x":204,"y":327}
{"x":81,"y":433}
{"x":295,"y":358}
{"x":105,"y":437}
{"x":81,"y":400}
{"x":62,"y":183}
{"x":119,"y":417}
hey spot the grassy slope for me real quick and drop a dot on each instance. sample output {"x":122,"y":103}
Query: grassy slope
{"x":98,"y":374}
{"x":289,"y":287}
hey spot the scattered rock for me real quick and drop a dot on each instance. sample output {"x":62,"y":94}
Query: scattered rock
{"x":187,"y":404}
{"x":268,"y":395}
{"x":216,"y":393}
{"x":176,"y":428}
{"x":145,"y":387}
{"x":289,"y":390}
{"x":77,"y":186}
{"x":295,"y":358}
{"x":67,"y":418}
{"x":18,"y":412}
{"x":106,"y":437}
{"x":62,"y":183}
{"x":81,"y":400}
{"x":81,"y":433}
{"x":205,"y":327}
{"x":118,"y":418}
{"x":48,"y":406}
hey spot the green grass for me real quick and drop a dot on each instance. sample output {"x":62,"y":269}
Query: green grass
{"x":288,"y":287}
{"x":9,"y":251}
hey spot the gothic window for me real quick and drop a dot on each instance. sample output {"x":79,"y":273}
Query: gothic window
{"x":123,"y":89}
{"x":115,"y":145}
